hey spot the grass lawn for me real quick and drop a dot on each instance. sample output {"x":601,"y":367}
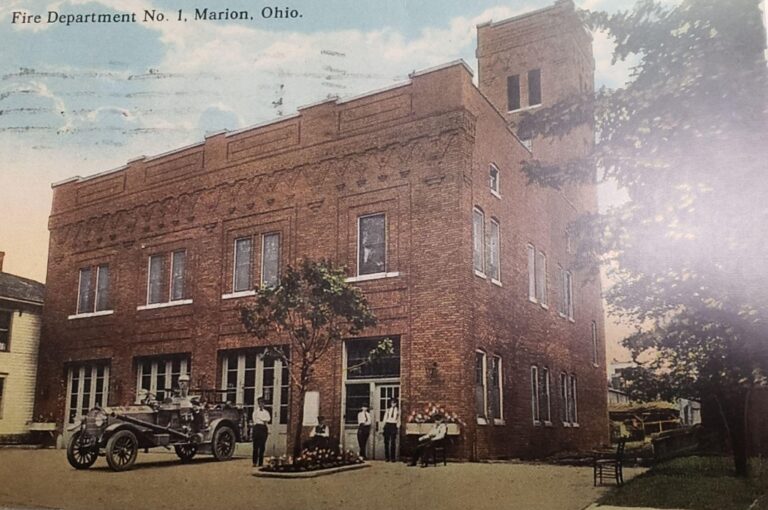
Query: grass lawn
{"x":694,"y":483}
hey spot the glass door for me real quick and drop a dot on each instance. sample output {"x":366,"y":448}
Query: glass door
{"x":384,"y":394}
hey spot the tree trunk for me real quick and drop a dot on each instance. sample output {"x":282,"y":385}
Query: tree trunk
{"x":299,"y":424}
{"x":736,"y":424}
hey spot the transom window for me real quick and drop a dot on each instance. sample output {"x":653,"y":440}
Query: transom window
{"x":160,"y":376}
{"x":87,"y":387}
{"x":361,"y":366}
{"x":5,"y":330}
{"x":93,"y":296}
{"x":372,"y":244}
{"x":166,"y":284}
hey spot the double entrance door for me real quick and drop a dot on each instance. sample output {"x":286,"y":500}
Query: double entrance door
{"x":248,"y":375}
{"x":376,"y":395}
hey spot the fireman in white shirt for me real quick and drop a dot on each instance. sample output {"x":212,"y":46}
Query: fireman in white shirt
{"x":391,"y":424}
{"x":261,"y":419}
{"x":428,"y":440}
{"x":363,"y":429}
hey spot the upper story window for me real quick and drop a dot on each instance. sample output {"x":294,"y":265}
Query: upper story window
{"x":566,"y":294}
{"x":93,"y":290}
{"x":5,"y":330}
{"x":166,"y":284}
{"x":534,"y":87}
{"x":372,"y":244}
{"x":594,"y":344}
{"x":494,"y":248}
{"x":513,"y":92}
{"x":493,"y":175}
{"x":478,"y":241}
{"x":270,"y":262}
{"x":537,"y":276}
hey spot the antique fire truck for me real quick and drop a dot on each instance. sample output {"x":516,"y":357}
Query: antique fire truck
{"x":191,"y":424}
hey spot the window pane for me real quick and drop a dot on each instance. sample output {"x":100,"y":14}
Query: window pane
{"x":572,"y":400}
{"x":178,"y":267}
{"x":270,"y":260}
{"x":494,"y":249}
{"x":513,"y":92}
{"x":5,"y":330}
{"x":564,"y":409}
{"x":494,"y":176}
{"x":545,"y":410}
{"x":156,"y":278}
{"x":480,"y":384}
{"x":372,"y":245}
{"x":478,"y":235}
{"x":496,"y":387}
{"x":535,"y":393}
{"x":102,"y":288}
{"x":243,"y":264}
{"x":358,"y":395}
{"x":85,"y":296}
{"x":360,"y":367}
{"x":541,"y":278}
{"x":531,"y":273}
{"x":534,"y":87}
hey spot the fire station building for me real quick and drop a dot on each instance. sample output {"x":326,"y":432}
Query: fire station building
{"x":417,"y":189}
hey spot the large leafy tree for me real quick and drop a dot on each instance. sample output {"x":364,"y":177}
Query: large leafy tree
{"x":311,"y":309}
{"x":687,"y":140}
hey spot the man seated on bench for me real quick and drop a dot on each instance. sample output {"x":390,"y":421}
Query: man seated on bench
{"x":429,"y":440}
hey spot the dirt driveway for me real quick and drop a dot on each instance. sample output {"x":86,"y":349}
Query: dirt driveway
{"x":42,"y":478}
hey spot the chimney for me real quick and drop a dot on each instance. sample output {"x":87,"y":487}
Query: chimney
{"x":2,"y":256}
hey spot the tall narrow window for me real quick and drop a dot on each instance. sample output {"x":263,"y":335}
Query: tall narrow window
{"x":534,"y":87}
{"x":5,"y":330}
{"x":541,"y":278}
{"x":157,"y":279}
{"x":494,"y":261}
{"x":572,"y":400}
{"x":102,"y":288}
{"x":178,"y":266}
{"x":565,"y":408}
{"x":478,"y":237}
{"x":568,"y":293}
{"x":535,"y":410}
{"x":496,"y":389}
{"x":243,"y":264}
{"x":270,"y":260}
{"x":493,"y":173}
{"x":594,"y":343}
{"x":372,"y":244}
{"x":480,"y":386}
{"x":531,"y":273}
{"x":85,"y":294}
{"x":545,"y":398}
{"x":87,"y":386}
{"x":513,"y":92}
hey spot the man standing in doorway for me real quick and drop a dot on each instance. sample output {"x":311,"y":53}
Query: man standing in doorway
{"x":261,"y":418}
{"x":391,"y":423}
{"x":363,"y":430}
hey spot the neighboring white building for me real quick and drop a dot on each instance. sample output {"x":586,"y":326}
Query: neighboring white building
{"x":21,"y":307}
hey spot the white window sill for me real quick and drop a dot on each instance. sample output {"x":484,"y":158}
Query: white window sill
{"x":566,"y":424}
{"x":545,"y":306}
{"x":481,"y":421}
{"x":595,"y":365}
{"x":524,"y":108}
{"x":547,"y":423}
{"x":180,"y":302}
{"x":90,"y":314}
{"x":480,"y":274}
{"x":374,"y":276}
{"x":536,"y":423}
{"x":496,"y":194}
{"x":532,"y":299}
{"x":496,"y":282}
{"x":575,"y":425}
{"x":497,"y":421}
{"x":239,"y":294}
{"x":571,"y":319}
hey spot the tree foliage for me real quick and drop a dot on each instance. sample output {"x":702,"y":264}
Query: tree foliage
{"x":687,"y":139}
{"x":311,"y":309}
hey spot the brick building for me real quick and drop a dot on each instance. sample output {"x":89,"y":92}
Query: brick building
{"x":417,"y":189}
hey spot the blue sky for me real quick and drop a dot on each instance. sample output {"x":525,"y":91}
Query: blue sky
{"x":80,"y":99}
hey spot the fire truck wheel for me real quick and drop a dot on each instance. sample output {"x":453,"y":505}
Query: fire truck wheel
{"x":81,"y":452}
{"x":223,"y":444}
{"x":185,"y":451}
{"x":122,"y":449}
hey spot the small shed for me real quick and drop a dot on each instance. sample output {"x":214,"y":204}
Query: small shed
{"x":641,"y":419}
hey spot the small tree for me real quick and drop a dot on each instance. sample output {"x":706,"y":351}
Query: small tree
{"x":311,"y":309}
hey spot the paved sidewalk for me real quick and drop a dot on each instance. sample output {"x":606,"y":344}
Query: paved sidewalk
{"x":43,"y":478}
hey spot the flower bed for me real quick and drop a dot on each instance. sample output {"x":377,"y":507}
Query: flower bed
{"x":428,"y":413}
{"x":312,"y":460}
